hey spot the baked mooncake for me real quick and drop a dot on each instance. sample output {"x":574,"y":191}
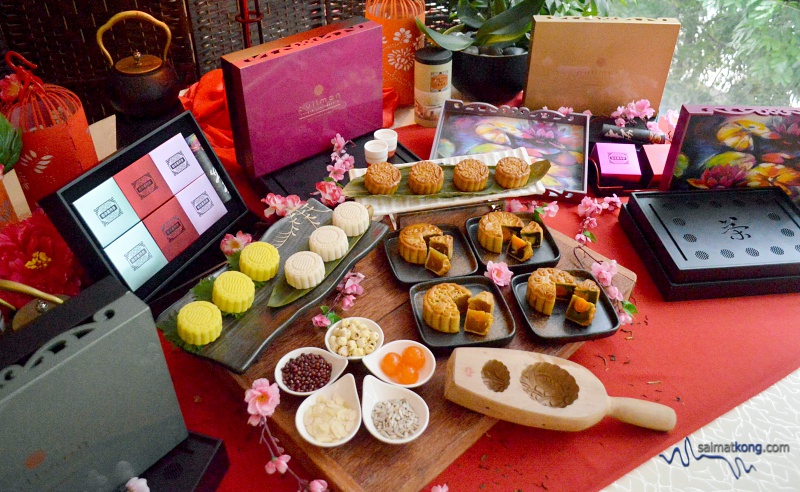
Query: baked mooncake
{"x":233,"y":292}
{"x":519,"y":249}
{"x":442,"y":306}
{"x":329,"y":242}
{"x":437,"y":262}
{"x":412,"y":243}
{"x":512,"y":172}
{"x":580,"y":311}
{"x":588,"y":290}
{"x":545,"y":285}
{"x":304,"y":270}
{"x":478,"y":322}
{"x":199,"y":323}
{"x":259,"y":261}
{"x":442,"y":244}
{"x":471,"y":175}
{"x":382,"y":178}
{"x":425,"y":178}
{"x":351,"y":217}
{"x":533,"y":233}
{"x":482,"y":301}
{"x":491,"y":233}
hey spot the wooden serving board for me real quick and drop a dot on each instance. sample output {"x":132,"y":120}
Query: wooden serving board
{"x":364,"y":463}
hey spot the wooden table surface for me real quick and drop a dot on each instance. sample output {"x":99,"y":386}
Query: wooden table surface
{"x":364,"y":463}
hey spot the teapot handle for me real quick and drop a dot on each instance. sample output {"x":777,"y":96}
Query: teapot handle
{"x":131,"y":14}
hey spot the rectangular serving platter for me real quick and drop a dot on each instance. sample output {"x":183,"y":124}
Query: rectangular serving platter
{"x":719,"y":243}
{"x":555,"y":328}
{"x":500,"y":334}
{"x":245,"y":337}
{"x":462,"y":263}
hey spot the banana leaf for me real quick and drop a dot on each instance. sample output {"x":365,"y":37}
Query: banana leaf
{"x":355,"y":188}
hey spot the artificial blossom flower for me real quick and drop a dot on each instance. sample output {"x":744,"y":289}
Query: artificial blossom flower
{"x":565,"y":110}
{"x":232,"y":244}
{"x":551,"y":209}
{"x":515,"y":205}
{"x":338,"y":143}
{"x":624,"y":318}
{"x":439,"y":488}
{"x":348,"y":302}
{"x":318,"y":486}
{"x":581,"y":239}
{"x":611,"y":202}
{"x":589,"y":206}
{"x":321,"y":321}
{"x":137,"y":484}
{"x":499,"y":273}
{"x":279,"y":464}
{"x":262,"y":399}
{"x":330,"y":193}
{"x":604,"y":272}
{"x":336,"y":171}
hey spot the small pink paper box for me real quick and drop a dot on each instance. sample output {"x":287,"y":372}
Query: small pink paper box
{"x":657,"y":158}
{"x":618,"y":162}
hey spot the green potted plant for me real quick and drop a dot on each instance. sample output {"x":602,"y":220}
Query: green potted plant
{"x":491,"y":38}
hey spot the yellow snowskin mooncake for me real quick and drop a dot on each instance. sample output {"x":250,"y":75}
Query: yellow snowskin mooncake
{"x":233,"y":292}
{"x":259,"y":261}
{"x":199,"y":323}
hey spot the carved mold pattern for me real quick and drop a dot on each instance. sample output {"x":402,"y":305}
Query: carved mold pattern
{"x":306,"y":42}
{"x":495,"y":376}
{"x":549,"y":385}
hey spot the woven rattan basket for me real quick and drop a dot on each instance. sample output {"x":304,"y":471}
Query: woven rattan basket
{"x":60,"y":37}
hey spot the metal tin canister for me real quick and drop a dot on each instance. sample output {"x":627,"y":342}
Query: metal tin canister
{"x":433,"y":70}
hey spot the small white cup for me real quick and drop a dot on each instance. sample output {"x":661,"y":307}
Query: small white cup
{"x":389,"y":136}
{"x":376,"y":151}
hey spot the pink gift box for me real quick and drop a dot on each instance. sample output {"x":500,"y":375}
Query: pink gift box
{"x":288,"y":98}
{"x":657,"y":158}
{"x":617,"y":162}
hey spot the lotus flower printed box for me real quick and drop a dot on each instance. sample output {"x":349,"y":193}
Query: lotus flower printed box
{"x":288,"y":98}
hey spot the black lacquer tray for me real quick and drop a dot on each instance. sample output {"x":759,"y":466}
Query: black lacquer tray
{"x":501,"y":333}
{"x":716,"y":243}
{"x":463,"y":261}
{"x":546,"y":255}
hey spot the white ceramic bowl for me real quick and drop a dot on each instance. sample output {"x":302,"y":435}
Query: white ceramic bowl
{"x":374,"y":391}
{"x":338,"y":365}
{"x":376,"y":151}
{"x":373,"y":326}
{"x":389,"y":136}
{"x":373,"y":362}
{"x":344,"y":388}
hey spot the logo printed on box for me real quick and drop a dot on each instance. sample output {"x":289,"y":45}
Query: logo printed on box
{"x":108,"y":211}
{"x":173,"y":228}
{"x":617,"y":158}
{"x":144,"y":185}
{"x":202,"y":203}
{"x":177,"y":163}
{"x":320,"y":105}
{"x":138,"y":256}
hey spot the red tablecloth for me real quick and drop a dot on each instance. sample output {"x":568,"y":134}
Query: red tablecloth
{"x":702,"y":358}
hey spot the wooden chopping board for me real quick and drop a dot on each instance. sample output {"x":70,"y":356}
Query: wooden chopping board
{"x":366,"y":464}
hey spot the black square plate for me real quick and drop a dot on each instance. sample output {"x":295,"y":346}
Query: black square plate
{"x":501,"y":333}
{"x":555,"y":328}
{"x":462,"y":263}
{"x":546,"y":255}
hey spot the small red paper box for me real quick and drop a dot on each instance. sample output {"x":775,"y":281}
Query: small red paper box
{"x":288,"y":98}
{"x":735,"y":147}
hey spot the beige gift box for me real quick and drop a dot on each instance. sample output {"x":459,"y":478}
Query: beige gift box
{"x":598,"y":63}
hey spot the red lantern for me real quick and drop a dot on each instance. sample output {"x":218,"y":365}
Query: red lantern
{"x":56,"y":144}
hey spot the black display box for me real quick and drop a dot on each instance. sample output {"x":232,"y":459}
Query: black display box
{"x":716,"y":243}
{"x":86,"y":240}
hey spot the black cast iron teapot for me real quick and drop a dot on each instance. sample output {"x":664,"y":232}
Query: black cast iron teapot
{"x":141,"y":85}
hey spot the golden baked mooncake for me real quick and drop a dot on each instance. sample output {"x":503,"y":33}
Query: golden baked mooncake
{"x":545,"y":285}
{"x":471,"y":175}
{"x":512,"y":172}
{"x":412,"y":242}
{"x":442,"y":244}
{"x":382,"y":178}
{"x":442,"y":306}
{"x":425,"y":178}
{"x":490,"y":229}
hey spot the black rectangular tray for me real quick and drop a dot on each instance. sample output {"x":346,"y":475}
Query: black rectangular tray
{"x":556,"y":328}
{"x":301,"y":178}
{"x":707,"y":236}
{"x":462,"y":263}
{"x":546,"y":255}
{"x":503,"y":329}
{"x":672,"y":290}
